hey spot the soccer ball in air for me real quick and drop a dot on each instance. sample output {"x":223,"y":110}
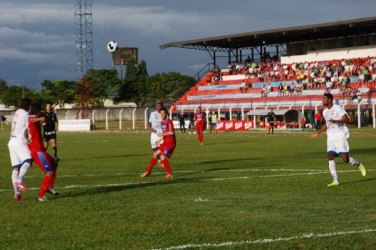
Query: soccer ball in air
{"x":112,"y":46}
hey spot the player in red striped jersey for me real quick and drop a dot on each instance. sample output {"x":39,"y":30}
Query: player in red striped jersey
{"x":39,"y":155}
{"x":167,"y":147}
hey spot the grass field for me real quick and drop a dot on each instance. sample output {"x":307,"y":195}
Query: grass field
{"x":241,"y":190}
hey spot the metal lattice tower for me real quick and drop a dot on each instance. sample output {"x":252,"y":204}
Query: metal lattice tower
{"x":84,"y":36}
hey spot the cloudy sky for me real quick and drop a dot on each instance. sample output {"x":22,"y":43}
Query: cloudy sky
{"x":37,"y":37}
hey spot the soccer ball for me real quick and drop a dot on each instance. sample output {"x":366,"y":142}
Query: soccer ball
{"x":112,"y":46}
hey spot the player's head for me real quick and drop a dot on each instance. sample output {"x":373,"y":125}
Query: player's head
{"x":164,"y":113}
{"x":327,"y":99}
{"x":199,"y":109}
{"x":159,"y":105}
{"x":25,"y":104}
{"x":48,"y":106}
{"x":35,"y":109}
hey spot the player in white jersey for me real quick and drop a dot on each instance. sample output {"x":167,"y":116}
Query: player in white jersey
{"x":155,"y":126}
{"x":337,"y":134}
{"x":18,"y":149}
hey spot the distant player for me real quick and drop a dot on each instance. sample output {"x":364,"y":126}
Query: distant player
{"x":337,"y":134}
{"x":19,"y":151}
{"x":167,"y":147}
{"x":271,"y":120}
{"x":49,"y":129}
{"x":199,"y":118}
{"x":155,"y":127}
{"x":45,"y":161}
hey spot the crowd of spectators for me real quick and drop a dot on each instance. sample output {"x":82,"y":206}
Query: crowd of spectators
{"x":308,"y":75}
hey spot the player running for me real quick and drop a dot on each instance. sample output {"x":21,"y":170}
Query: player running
{"x":19,"y":152}
{"x":44,"y":160}
{"x":199,"y":118}
{"x":167,"y":147}
{"x":337,"y":134}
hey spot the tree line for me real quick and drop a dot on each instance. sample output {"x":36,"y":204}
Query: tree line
{"x":98,"y":85}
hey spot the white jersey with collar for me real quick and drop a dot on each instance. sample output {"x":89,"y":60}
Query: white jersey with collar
{"x":155,"y":119}
{"x":19,"y":132}
{"x":335,"y":131}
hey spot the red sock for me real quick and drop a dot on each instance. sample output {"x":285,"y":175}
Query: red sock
{"x":151,"y":164}
{"x":166,"y":164}
{"x":46,"y":183}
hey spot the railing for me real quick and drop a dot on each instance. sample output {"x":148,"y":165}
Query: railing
{"x":203,"y":71}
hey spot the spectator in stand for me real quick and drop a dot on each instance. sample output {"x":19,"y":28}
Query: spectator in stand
{"x":243,"y":87}
{"x":299,"y":88}
{"x":280,"y":89}
{"x":318,"y":120}
{"x":370,"y":90}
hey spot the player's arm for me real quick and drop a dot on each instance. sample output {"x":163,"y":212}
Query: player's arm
{"x":321,"y":130}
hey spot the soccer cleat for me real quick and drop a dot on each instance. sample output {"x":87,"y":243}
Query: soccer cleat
{"x":42,"y":199}
{"x":201,"y":143}
{"x":333,"y":184}
{"x":21,"y":186}
{"x":52,"y":191}
{"x":17,"y":197}
{"x":56,"y":159}
{"x":169,"y":176}
{"x":145,"y":174}
{"x":362,"y":170}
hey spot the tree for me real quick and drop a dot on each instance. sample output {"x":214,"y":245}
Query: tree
{"x":170,"y":86}
{"x":104,"y":85}
{"x":59,"y":92}
{"x":11,"y":95}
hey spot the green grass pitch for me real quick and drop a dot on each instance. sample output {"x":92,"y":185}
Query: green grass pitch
{"x":241,"y":190}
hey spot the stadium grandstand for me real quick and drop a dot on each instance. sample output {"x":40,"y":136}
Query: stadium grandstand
{"x":288,"y":69}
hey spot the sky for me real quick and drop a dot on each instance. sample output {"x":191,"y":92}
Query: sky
{"x":38,"y":37}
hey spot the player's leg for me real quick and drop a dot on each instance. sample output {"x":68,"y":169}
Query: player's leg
{"x":152,"y":162}
{"x":347,"y":159}
{"x":167,"y":152}
{"x":24,"y":156}
{"x":54,"y":145}
{"x":332,"y":153}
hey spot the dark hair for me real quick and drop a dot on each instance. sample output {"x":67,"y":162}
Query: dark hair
{"x":25,"y":103}
{"x":49,"y":102}
{"x":329,"y":96}
{"x":164,"y":109}
{"x":35,"y":109}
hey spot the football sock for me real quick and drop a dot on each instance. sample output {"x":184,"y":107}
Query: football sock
{"x":52,"y":182}
{"x":55,"y":151}
{"x":354,"y":162}
{"x":14,"y":180}
{"x":166,"y":163}
{"x":46,"y":183}
{"x":332,"y":168}
{"x":151,"y":164}
{"x":23,"y":171}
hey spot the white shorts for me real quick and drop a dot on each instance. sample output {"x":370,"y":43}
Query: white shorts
{"x":338,"y":146}
{"x":155,"y":140}
{"x":19,"y":154}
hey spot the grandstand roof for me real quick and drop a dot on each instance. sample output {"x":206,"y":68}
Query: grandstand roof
{"x":280,"y":36}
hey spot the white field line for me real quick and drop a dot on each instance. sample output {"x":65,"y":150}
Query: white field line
{"x":265,"y":241}
{"x":193,"y":172}
{"x":208,"y":179}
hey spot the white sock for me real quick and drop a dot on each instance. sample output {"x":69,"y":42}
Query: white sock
{"x":14,"y":180}
{"x":354,"y":162}
{"x":23,"y":171}
{"x":332,"y":168}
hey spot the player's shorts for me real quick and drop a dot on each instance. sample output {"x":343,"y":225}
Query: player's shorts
{"x":167,"y":150}
{"x":155,"y":141}
{"x":44,"y":160}
{"x":49,"y":135}
{"x":19,"y":154}
{"x":271,"y":123}
{"x":339,"y":147}
{"x":214,"y":124}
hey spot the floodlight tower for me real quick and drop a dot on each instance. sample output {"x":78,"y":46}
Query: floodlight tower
{"x":84,"y":36}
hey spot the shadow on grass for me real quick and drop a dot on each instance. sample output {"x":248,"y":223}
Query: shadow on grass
{"x":118,"y":188}
{"x":357,"y":181}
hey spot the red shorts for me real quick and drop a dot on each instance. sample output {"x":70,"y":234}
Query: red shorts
{"x":167,"y":149}
{"x":45,"y":161}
